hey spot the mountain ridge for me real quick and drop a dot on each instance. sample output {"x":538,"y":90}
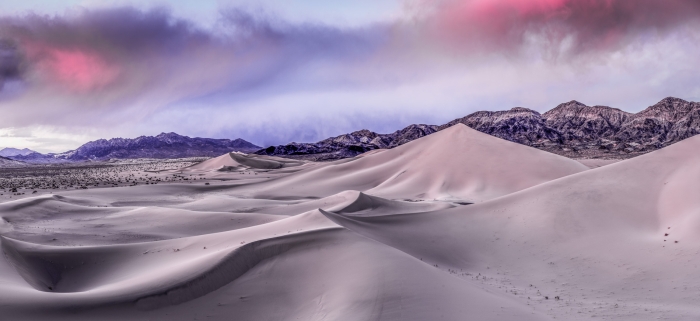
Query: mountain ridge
{"x":349,"y":145}
{"x":570,"y":129}
{"x":164,"y":145}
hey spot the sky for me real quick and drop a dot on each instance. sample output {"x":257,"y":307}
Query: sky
{"x":276,"y":71}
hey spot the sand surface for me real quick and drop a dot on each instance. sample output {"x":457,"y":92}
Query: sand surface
{"x":595,"y":163}
{"x":457,"y":225}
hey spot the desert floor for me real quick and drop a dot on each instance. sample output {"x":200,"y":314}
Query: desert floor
{"x":457,"y":225}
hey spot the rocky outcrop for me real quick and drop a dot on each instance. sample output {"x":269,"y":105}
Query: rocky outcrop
{"x":520,"y":125}
{"x":669,"y":121}
{"x":579,"y":123}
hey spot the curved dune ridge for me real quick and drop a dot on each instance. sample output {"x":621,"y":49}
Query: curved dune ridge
{"x":453,"y":226}
{"x":130,"y":271}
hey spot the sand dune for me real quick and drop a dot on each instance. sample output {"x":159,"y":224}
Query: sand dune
{"x":236,"y":161}
{"x":115,"y":225}
{"x":456,"y":164}
{"x":595,"y":163}
{"x":614,"y":240}
{"x":388,"y":235}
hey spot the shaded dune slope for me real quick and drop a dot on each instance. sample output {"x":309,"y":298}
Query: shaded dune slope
{"x":125,"y":271}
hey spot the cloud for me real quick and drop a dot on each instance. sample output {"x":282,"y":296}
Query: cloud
{"x":10,"y":62}
{"x":128,"y":72}
{"x":44,"y":139}
{"x":105,"y":58}
{"x":15,"y":132}
{"x":98,"y":61}
{"x":568,"y":27}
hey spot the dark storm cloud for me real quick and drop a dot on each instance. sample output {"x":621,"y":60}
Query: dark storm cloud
{"x":119,"y":31}
{"x":10,"y":61}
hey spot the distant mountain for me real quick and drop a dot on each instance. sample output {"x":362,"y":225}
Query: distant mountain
{"x":349,"y":145}
{"x":571,"y":129}
{"x":575,"y":130}
{"x":38,"y":158}
{"x":165,"y":145}
{"x":9,"y":151}
{"x":7,"y":162}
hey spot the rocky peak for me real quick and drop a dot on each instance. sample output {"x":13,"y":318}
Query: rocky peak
{"x":409,"y":133}
{"x":360,"y":136}
{"x":572,"y":108}
{"x":521,"y":125}
{"x":170,"y":135}
{"x":364,"y":132}
{"x":167,"y":137}
{"x":520,"y":110}
{"x":669,"y":109}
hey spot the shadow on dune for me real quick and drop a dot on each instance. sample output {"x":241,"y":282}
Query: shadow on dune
{"x":52,"y":269}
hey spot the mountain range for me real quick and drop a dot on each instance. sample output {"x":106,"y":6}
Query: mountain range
{"x":165,"y":145}
{"x":571,"y":129}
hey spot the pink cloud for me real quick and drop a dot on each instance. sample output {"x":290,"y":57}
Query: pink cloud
{"x":589,"y":24}
{"x":78,"y":70}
